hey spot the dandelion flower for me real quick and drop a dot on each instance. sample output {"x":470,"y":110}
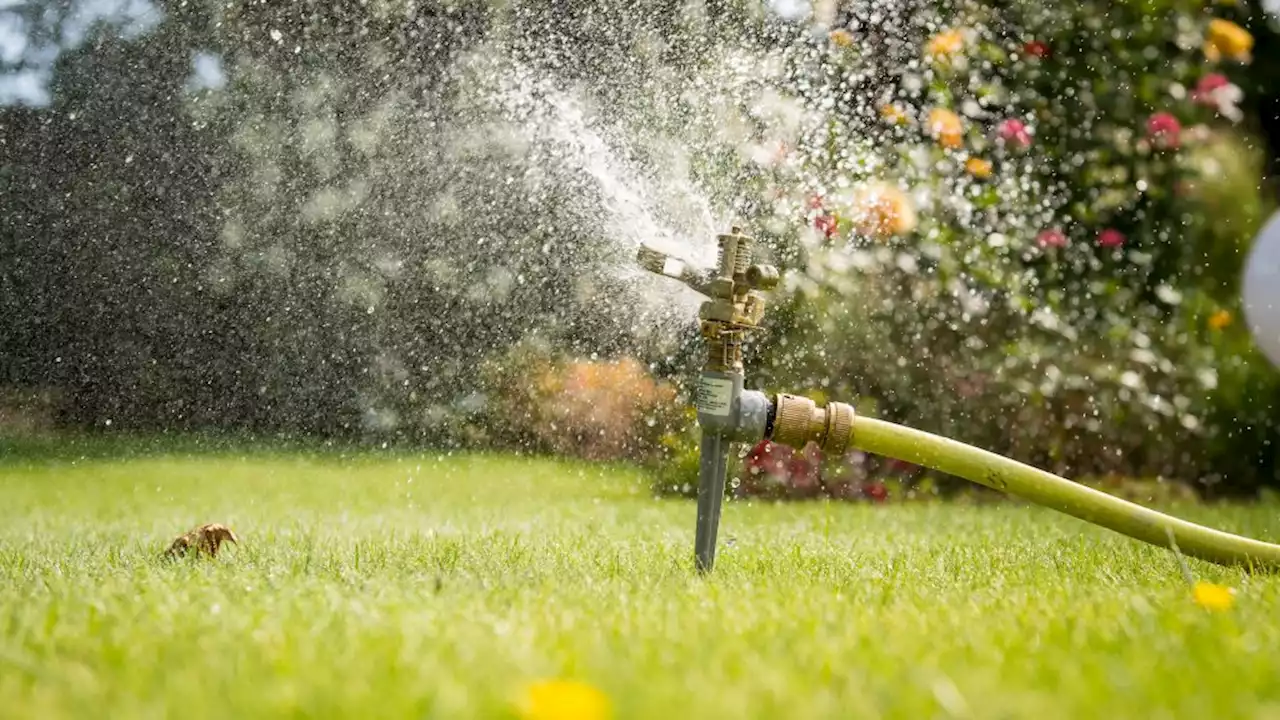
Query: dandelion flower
{"x":1213,"y":597}
{"x":564,"y":700}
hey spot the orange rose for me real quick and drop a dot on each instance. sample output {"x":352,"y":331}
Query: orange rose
{"x":881,"y":211}
{"x":946,"y":127}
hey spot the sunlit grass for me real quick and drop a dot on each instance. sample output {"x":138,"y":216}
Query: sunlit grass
{"x":404,"y":586}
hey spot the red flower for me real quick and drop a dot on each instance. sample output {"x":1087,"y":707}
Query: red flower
{"x":767,"y":458}
{"x":1014,"y":132}
{"x":1111,"y":238}
{"x":1164,"y":129}
{"x":803,"y":473}
{"x":877,"y":491}
{"x":825,"y":224}
{"x":1051,"y":238}
{"x":1036,"y":48}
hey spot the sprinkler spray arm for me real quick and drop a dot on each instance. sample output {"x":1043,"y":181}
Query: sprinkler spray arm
{"x":727,"y":414}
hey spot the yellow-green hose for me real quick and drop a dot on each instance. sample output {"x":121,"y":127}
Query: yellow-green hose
{"x":986,"y":468}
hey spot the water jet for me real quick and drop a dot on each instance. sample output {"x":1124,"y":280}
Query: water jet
{"x":728,"y":414}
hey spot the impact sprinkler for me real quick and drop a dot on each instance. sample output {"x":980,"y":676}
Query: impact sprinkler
{"x":726,"y":413}
{"x":729,"y":414}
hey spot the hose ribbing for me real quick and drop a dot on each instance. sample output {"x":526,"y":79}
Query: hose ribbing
{"x":1004,"y":474}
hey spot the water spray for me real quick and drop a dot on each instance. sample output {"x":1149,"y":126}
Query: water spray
{"x":728,"y":414}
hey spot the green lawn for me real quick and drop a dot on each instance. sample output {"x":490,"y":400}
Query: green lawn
{"x":403,"y":586}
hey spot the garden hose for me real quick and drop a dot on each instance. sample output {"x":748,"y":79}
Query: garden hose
{"x":1010,"y":476}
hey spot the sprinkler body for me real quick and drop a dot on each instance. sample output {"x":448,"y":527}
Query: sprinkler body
{"x":728,"y":414}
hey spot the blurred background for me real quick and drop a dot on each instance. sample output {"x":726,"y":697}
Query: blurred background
{"x":412,"y":224}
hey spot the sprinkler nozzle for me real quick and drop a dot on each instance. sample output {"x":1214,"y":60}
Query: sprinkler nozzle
{"x":652,"y":260}
{"x":763,"y":277}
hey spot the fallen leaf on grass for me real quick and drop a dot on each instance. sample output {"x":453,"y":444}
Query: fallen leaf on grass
{"x":204,"y":540}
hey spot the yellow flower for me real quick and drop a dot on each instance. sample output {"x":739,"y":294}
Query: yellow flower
{"x":881,"y":211}
{"x":1213,"y":597}
{"x":564,"y":700}
{"x":946,"y":127}
{"x":841,"y":37}
{"x":894,"y":114}
{"x":1225,"y":39}
{"x":1220,"y":320}
{"x":978,"y":167}
{"x":944,"y":44}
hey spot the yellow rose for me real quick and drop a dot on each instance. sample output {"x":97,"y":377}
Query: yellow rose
{"x":978,"y":167}
{"x":1225,"y":39}
{"x":945,"y":44}
{"x":893,"y":114}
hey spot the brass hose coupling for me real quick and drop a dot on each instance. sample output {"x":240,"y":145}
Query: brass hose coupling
{"x":797,"y":421}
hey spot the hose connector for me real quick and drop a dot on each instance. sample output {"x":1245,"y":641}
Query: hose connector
{"x":799,"y":421}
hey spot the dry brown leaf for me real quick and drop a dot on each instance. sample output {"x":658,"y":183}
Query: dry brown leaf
{"x":206,"y":539}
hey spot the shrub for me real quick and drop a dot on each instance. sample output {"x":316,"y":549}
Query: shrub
{"x":595,"y":409}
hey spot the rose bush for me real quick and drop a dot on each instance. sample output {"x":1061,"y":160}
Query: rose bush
{"x":1022,"y":227}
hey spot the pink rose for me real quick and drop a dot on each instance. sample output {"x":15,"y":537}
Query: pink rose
{"x":825,"y":224}
{"x":1216,"y":91}
{"x":1111,"y":238}
{"x":1014,"y":132}
{"x":1164,"y":129}
{"x":1036,"y":48}
{"x":1051,"y":238}
{"x":1208,"y":85}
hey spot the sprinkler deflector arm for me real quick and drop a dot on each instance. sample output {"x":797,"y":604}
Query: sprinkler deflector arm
{"x":1058,"y":493}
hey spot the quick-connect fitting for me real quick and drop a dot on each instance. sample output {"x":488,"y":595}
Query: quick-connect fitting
{"x":799,"y":421}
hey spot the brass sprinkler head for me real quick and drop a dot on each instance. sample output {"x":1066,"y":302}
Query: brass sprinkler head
{"x":735,"y":302}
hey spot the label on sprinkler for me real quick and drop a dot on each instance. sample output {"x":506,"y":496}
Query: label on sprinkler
{"x":715,"y":395}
